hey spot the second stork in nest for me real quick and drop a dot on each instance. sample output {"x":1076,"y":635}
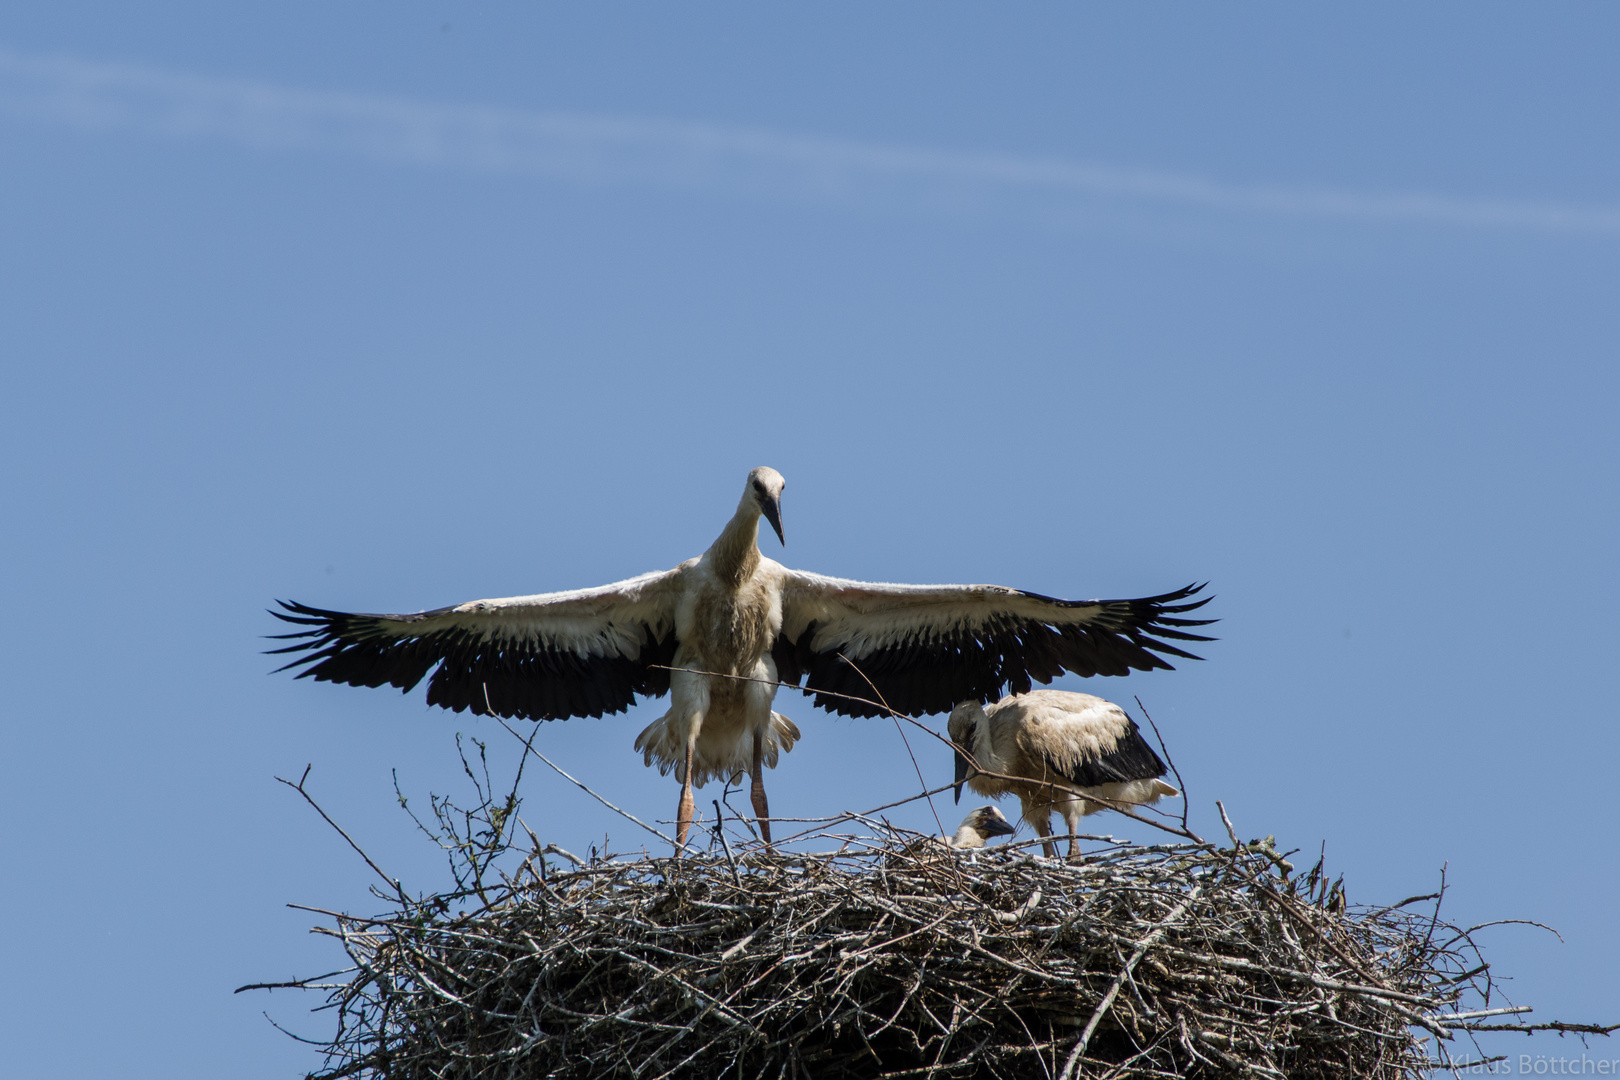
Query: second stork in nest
{"x":1053,"y":749}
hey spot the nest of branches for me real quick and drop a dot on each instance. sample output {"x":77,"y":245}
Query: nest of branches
{"x":893,"y":956}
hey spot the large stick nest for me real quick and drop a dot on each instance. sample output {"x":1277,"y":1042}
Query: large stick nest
{"x":891,"y":960}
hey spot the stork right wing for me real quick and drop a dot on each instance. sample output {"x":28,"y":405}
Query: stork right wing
{"x":545,"y":657}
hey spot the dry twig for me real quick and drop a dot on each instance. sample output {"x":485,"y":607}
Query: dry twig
{"x":889,"y":957}
{"x":886,"y":959}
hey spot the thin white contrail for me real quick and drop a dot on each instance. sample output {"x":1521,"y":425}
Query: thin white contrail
{"x":598,"y":149}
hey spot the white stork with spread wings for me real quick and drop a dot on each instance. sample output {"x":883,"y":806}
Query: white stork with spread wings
{"x":718,"y":631}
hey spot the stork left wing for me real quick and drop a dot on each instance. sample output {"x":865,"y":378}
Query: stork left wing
{"x":927,"y":647}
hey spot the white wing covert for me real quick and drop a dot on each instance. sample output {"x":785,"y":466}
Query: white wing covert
{"x":547,"y":657}
{"x":1090,"y":741}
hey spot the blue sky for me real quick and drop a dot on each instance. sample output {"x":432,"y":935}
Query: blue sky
{"x":389,"y":306}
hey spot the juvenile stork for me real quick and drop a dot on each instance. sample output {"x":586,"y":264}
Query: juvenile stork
{"x":718,"y":631}
{"x":977,"y":829}
{"x":1065,"y":747}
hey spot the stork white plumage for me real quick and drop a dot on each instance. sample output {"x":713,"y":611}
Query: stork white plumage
{"x":1066,"y":747}
{"x":717,"y":631}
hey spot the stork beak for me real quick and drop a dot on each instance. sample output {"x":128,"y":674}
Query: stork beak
{"x":773,"y":514}
{"x":997,"y":827}
{"x":961,"y":775}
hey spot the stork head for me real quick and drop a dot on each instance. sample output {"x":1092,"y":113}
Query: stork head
{"x":764,"y":491}
{"x":963,"y":726}
{"x":981,"y":825}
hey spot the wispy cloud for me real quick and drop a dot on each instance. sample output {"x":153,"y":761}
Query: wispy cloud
{"x":602,"y":149}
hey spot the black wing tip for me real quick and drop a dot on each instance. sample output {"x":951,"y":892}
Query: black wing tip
{"x":298,"y":609}
{"x":1181,"y":594}
{"x":297,"y":646}
{"x":1168,"y":602}
{"x":1153,"y":647}
{"x":306,"y":615}
{"x":1177,"y":635}
{"x":320,"y":619}
{"x":1163,"y":619}
{"x":312,"y":644}
{"x":306,"y":673}
{"x":1166,"y":620}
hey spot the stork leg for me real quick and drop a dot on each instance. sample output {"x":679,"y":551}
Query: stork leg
{"x":1043,"y":829}
{"x":1074,"y":838}
{"x":756,"y":770}
{"x":687,"y":809}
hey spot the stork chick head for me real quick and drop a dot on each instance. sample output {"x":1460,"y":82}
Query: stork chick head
{"x":963,"y":726}
{"x":981,"y":825}
{"x":764,"y":494}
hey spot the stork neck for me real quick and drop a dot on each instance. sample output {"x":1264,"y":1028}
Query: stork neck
{"x":735,"y":554}
{"x":967,"y":838}
{"x":983,"y":747}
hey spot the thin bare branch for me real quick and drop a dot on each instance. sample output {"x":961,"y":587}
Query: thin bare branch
{"x":299,"y":787}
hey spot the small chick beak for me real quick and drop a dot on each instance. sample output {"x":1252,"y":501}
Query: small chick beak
{"x":997,"y":826}
{"x":773,"y":514}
